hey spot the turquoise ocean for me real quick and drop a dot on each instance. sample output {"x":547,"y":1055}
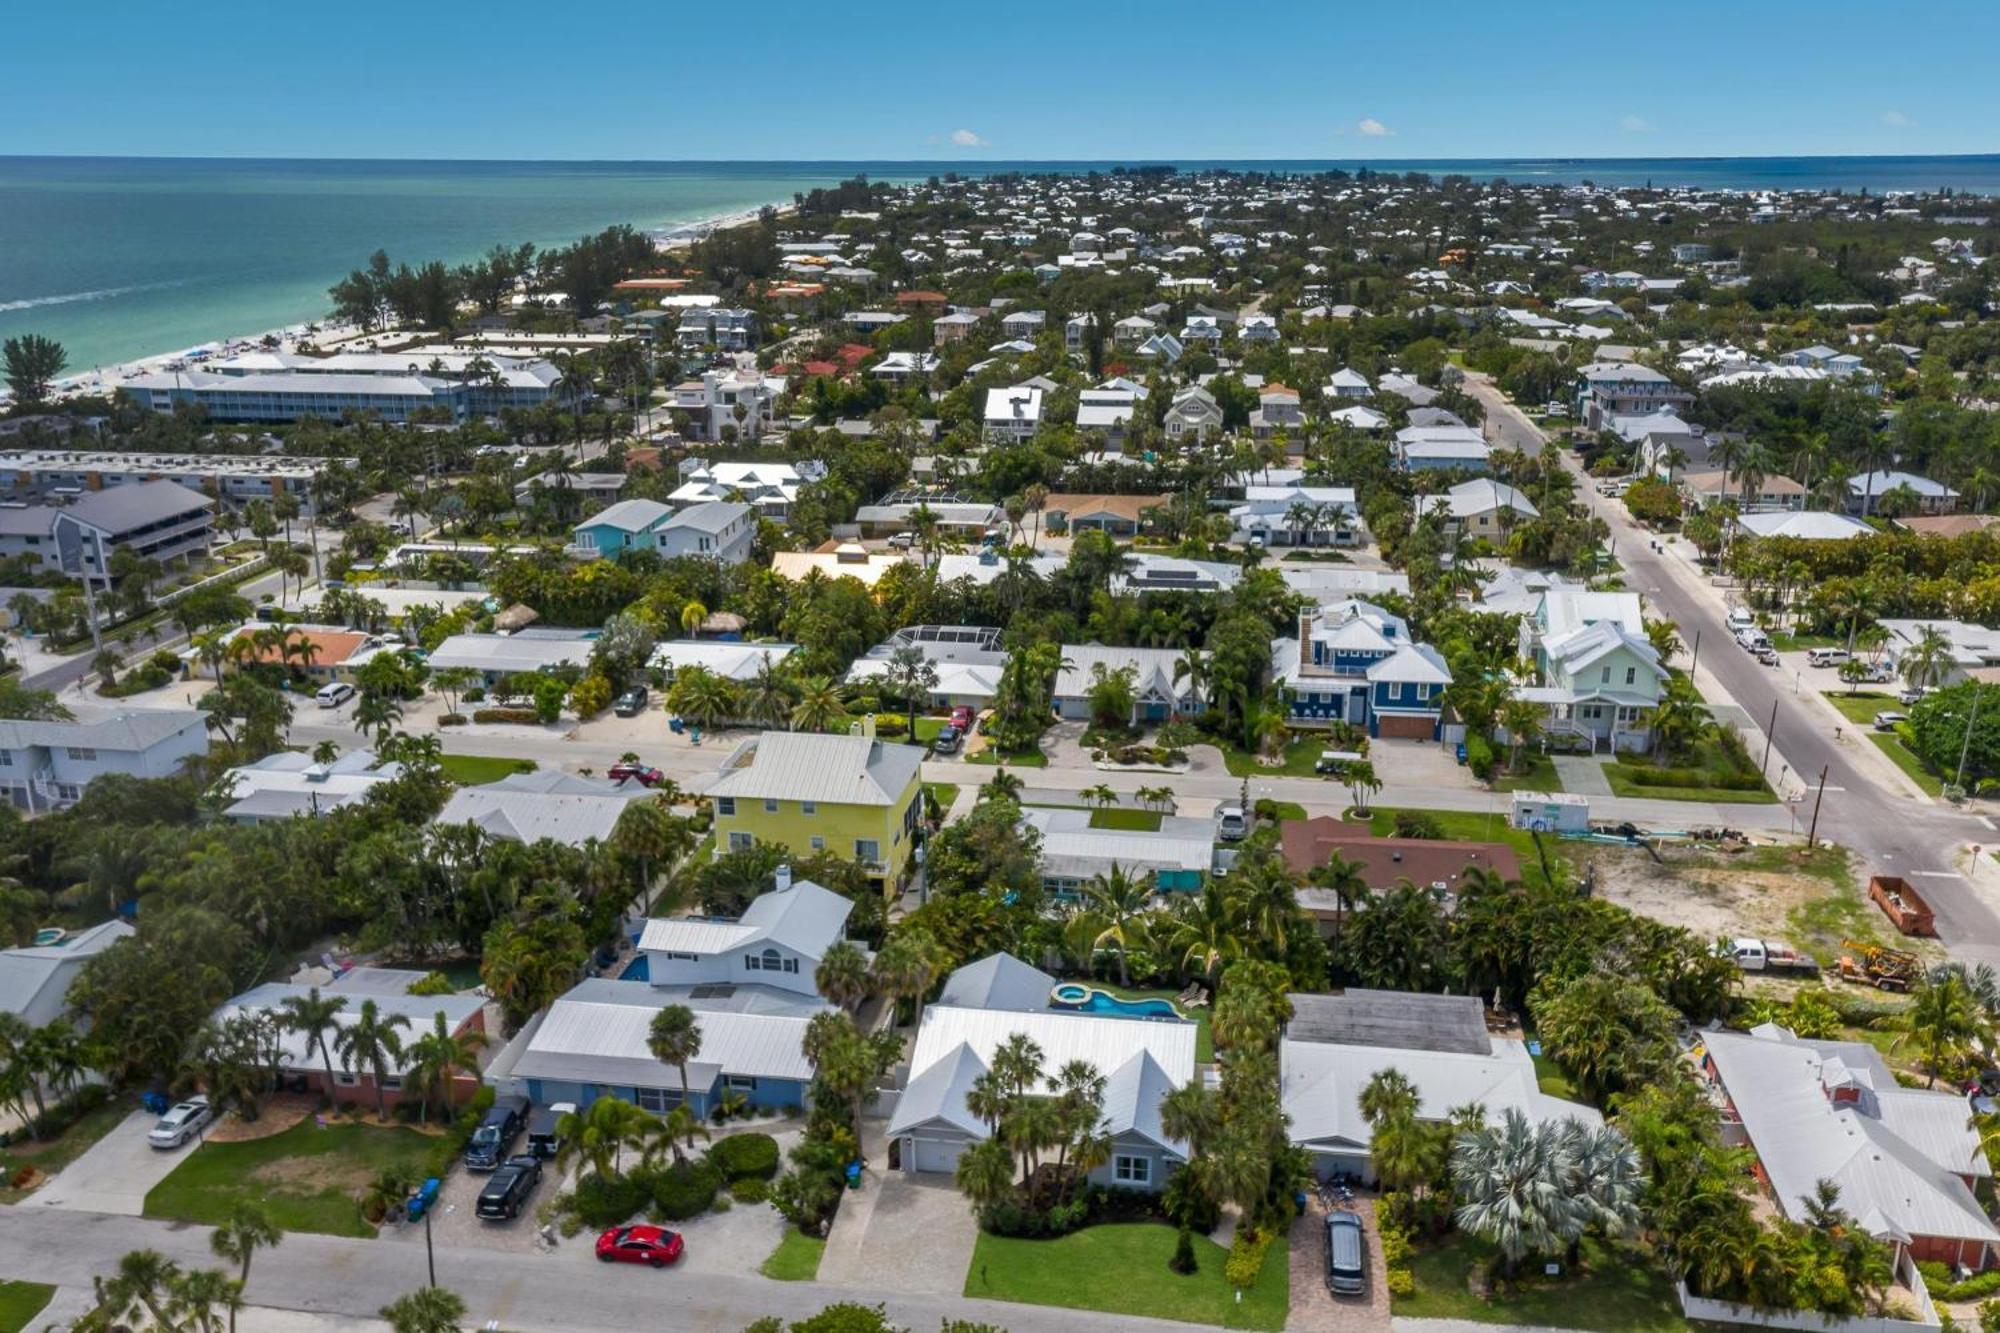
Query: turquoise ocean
{"x":121,"y":258}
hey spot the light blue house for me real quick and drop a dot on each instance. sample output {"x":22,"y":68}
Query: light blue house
{"x":1601,"y":679}
{"x":750,"y":985}
{"x":625,"y":526}
{"x":1176,"y":857}
{"x":1353,"y":662}
{"x":720,"y":530}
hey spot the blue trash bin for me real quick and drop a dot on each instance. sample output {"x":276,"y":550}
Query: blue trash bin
{"x":424,"y":1199}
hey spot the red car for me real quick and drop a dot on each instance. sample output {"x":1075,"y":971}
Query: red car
{"x":961,"y":717}
{"x":648,"y":776}
{"x":640,"y":1245}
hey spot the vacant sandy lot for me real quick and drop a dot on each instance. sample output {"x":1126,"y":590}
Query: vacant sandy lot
{"x":1712,"y":898}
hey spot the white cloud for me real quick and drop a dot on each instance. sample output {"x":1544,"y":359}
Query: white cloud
{"x":1897,"y":120}
{"x":1636,"y":125}
{"x":967,"y":139}
{"x":1371,"y":128}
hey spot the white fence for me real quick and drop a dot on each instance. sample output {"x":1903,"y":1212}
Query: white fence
{"x":1806,"y":1321}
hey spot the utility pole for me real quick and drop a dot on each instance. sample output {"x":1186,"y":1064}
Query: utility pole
{"x":1694,"y":656}
{"x":1813,"y":831}
{"x":1770,"y":730}
{"x":1958,"y":779}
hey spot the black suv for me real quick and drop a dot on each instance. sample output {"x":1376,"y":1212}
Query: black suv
{"x":496,"y":1133}
{"x":507,"y":1191}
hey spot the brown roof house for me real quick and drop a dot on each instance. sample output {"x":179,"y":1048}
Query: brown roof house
{"x":1307,"y":844}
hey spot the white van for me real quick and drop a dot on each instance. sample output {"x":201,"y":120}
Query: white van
{"x":1740,"y":619}
{"x":334,"y":695}
{"x":1826,"y":657}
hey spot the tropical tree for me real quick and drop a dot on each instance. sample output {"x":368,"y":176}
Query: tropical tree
{"x":426,"y":1310}
{"x":33,"y":364}
{"x":1942,"y":1020}
{"x":674,"y":1038}
{"x":675,"y":1132}
{"x":246,"y":1230}
{"x":1122,"y":902}
{"x":315,"y":1017}
{"x":842,"y":974}
{"x":438,"y":1057}
{"x":1361,"y":783}
{"x":1510,"y":1189}
{"x":1927,"y":661}
{"x":371,"y":1043}
{"x":818,"y":704}
{"x":377,"y":712}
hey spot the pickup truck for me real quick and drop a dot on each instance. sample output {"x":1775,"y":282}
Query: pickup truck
{"x":1770,"y":956}
{"x":508,"y":1188}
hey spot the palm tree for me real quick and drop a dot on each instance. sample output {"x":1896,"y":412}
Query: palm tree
{"x":985,"y":1172}
{"x":676,"y":1132}
{"x":842,"y":974}
{"x":599,"y":1134}
{"x":247,"y":1230}
{"x":1207,"y":931}
{"x":438,"y":1057}
{"x":674,"y":1038}
{"x":819,"y":704}
{"x":371,"y":1043}
{"x":314,"y":1017}
{"x":1346,"y":879}
{"x":1943,"y":1019}
{"x":768,"y":696}
{"x":1510,"y":1189}
{"x":909,"y":961}
{"x":1123,"y":902}
{"x":1001,"y":785}
{"x":703,"y":697}
{"x":1928,"y":659}
{"x":379,"y":713}
{"x":1102,"y":794}
{"x":425,"y":1310}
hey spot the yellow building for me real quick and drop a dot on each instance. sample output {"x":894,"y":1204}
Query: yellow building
{"x":854,"y":796}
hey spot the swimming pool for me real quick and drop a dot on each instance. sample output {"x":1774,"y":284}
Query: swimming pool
{"x":1091,"y":1000}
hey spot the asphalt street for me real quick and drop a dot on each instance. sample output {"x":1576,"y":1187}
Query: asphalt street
{"x":1890,"y":832}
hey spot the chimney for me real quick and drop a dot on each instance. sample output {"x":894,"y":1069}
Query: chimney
{"x":782,"y":877}
{"x":868,"y":726}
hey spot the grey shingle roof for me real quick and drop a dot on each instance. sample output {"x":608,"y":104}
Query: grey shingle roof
{"x":131,"y":732}
{"x":119,"y":509}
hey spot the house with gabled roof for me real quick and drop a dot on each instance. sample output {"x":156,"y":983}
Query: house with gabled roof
{"x":528,"y":807}
{"x":1601,"y":678}
{"x":853,"y":795}
{"x":778,"y":941}
{"x":1156,"y":693}
{"x":1353,"y":662}
{"x":1193,"y":413}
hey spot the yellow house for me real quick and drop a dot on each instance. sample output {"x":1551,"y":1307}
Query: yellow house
{"x":854,"y":796}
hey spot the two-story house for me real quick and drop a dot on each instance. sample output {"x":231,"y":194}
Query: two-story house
{"x":1132,"y":330}
{"x":853,"y":795}
{"x":1606,"y":389}
{"x":778,"y":941}
{"x":720,"y":530}
{"x":1353,"y":662}
{"x":1347,"y":382}
{"x":1277,"y":409}
{"x":717,"y":404}
{"x":155,"y":520}
{"x":1193,"y":414}
{"x":718,"y":328}
{"x":1600,"y":676}
{"x":46,"y":765}
{"x":1013,"y":415}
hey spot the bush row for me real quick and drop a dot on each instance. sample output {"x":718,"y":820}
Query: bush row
{"x":523,"y":715}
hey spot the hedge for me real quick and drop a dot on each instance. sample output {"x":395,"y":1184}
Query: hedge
{"x":524,"y":715}
{"x":741,"y":1156}
{"x":685,"y":1190}
{"x":1645,"y":775}
{"x":606,"y":1201}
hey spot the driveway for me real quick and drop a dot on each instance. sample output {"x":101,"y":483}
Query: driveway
{"x":1583,"y":774}
{"x":115,"y":1174}
{"x":901,"y":1232}
{"x":1314,"y":1309}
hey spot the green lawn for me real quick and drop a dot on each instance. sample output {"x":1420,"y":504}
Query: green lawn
{"x":1475,"y":826}
{"x":1204,"y":1049}
{"x":1785,"y":641}
{"x":796,"y":1259}
{"x":1628,"y":778}
{"x":20,"y":1302}
{"x":1009,"y":759}
{"x":1284,"y":810}
{"x":944,"y":793}
{"x":1553,"y":1082}
{"x":1122,"y":1268}
{"x":1541,"y":775}
{"x":1862,"y":707}
{"x":1300,"y":756}
{"x":1904,"y":758}
{"x":1132,"y":821}
{"x":64,"y":1148}
{"x":1621,"y":1291}
{"x":309,"y":1178}
{"x":473,"y":770}
{"x":1624,"y":786}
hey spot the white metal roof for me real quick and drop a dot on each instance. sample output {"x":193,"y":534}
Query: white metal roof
{"x":806,"y":766}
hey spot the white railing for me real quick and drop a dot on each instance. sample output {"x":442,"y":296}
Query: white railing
{"x":1808,"y":1321}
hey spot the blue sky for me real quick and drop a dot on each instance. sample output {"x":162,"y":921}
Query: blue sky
{"x":613,"y":79}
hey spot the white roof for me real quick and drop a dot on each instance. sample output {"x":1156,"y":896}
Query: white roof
{"x":34,"y":980}
{"x":528,"y":807}
{"x":970,"y":680}
{"x":509,"y":652}
{"x":1566,"y":609}
{"x":1481,"y":495}
{"x":806,"y":766}
{"x":1015,"y":404}
{"x":1809,"y":525}
{"x":419,"y":1009}
{"x":598,"y":1033}
{"x":805,"y":918}
{"x":627,"y":516}
{"x":1896,"y":1153}
{"x":1073,"y":849}
{"x":736,"y":661}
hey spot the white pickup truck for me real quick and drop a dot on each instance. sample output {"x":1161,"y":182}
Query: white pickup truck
{"x":1769,"y":956}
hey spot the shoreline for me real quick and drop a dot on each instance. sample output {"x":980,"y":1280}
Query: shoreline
{"x":106,"y":380}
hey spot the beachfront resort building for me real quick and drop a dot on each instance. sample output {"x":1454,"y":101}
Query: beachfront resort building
{"x":392,"y":386}
{"x":59,"y":474}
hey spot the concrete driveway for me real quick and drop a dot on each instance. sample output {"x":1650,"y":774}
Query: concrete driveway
{"x":115,"y":1173}
{"x":901,"y":1232}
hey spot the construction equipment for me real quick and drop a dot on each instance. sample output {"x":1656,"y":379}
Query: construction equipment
{"x":1880,"y":967}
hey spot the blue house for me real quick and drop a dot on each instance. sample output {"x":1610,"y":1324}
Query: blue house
{"x":625,"y":525}
{"x":1353,"y":662}
{"x":749,"y":983}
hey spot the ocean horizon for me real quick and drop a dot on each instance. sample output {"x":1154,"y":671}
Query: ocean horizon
{"x":121,"y":258}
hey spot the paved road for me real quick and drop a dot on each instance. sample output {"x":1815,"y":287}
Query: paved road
{"x":1890,"y":831}
{"x":563,"y":1292}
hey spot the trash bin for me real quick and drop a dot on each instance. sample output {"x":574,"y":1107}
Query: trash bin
{"x":424,"y":1199}
{"x":854,"y":1175}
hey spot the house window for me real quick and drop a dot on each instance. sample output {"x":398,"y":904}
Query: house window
{"x":392,"y":1083}
{"x":1631,"y":675}
{"x":772,"y":961}
{"x":725,"y":805}
{"x":808,"y":807}
{"x":770,"y":806}
{"x":867,"y":851}
{"x":657,"y":1099}
{"x":1604,"y":676}
{"x":81,"y":752}
{"x":343,"y":1079}
{"x":740,"y":1083}
{"x":1132,"y":1170}
{"x":792,"y":966}
{"x":682,"y":957}
{"x":741,"y":842}
{"x":751,"y":963}
{"x":818,"y":844}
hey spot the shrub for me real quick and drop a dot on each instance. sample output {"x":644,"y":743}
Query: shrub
{"x":602,"y":1201}
{"x":452,"y":720}
{"x":1189,"y":1206}
{"x":590,"y":696}
{"x":1418,"y":824}
{"x":749,"y":1190}
{"x":477,"y":694}
{"x":432,"y":983}
{"x":1183,"y":1261}
{"x":742,"y":1156}
{"x":1479,"y":757}
{"x":685,"y":1190}
{"x":1246,"y":1258}
{"x":1401,"y":1282}
{"x":527,"y":716}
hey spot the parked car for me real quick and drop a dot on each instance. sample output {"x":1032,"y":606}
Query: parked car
{"x":647,"y":775}
{"x":542,"y":1128}
{"x":496,"y":1133}
{"x":182,"y":1122}
{"x":632,"y":702}
{"x":1826,"y":657}
{"x":1888,"y":718}
{"x":961,"y":717}
{"x":1346,"y":1255}
{"x":1336,"y":761}
{"x":1231,"y":824}
{"x":508,"y":1188}
{"x":334,"y":695}
{"x":640,"y":1244}
{"x":1765,"y":654}
{"x":1910,"y":696}
{"x":948,"y":741}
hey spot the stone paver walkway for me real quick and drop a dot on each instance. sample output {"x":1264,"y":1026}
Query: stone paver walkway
{"x":1582,"y":774}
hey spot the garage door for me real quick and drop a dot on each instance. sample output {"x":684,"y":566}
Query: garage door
{"x":1406,"y":727}
{"x":940,"y":1155}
